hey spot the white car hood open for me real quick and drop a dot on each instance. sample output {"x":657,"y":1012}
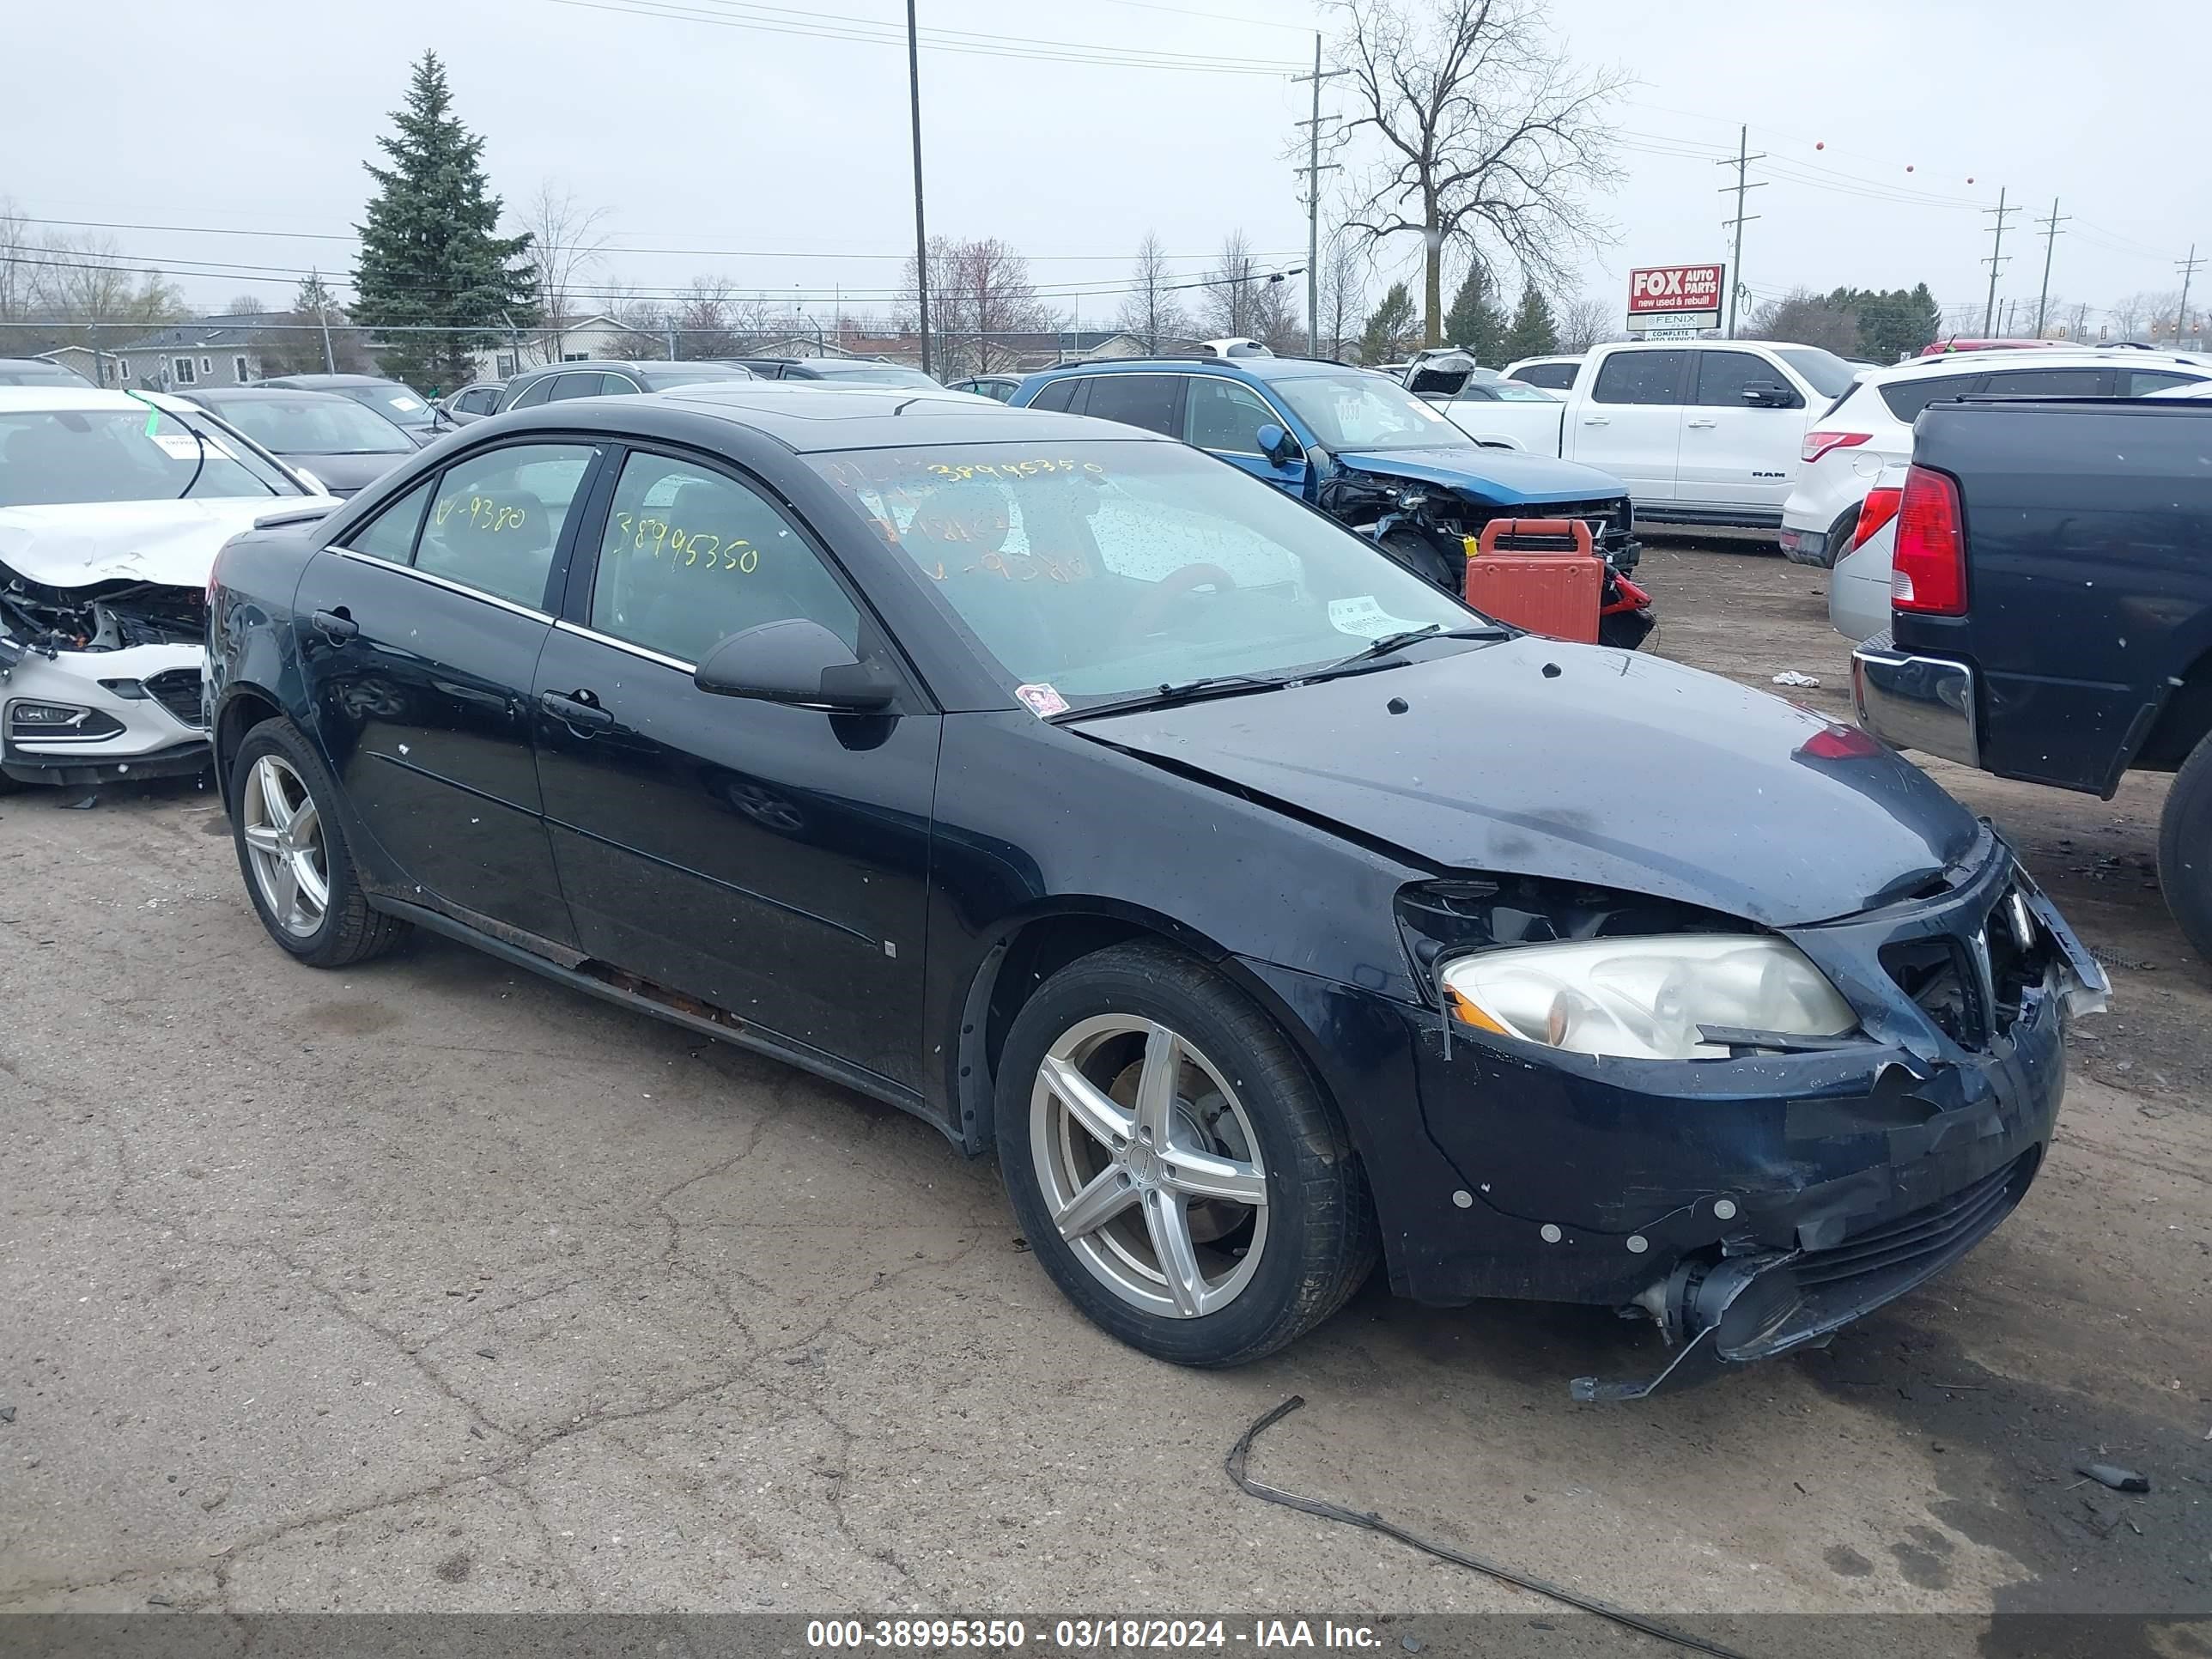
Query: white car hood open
{"x":76,"y":544}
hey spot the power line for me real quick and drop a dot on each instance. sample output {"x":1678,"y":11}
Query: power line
{"x":867,"y":31}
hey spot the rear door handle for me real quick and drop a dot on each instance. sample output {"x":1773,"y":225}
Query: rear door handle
{"x":1597,"y":420}
{"x":574,"y":712}
{"x":338,"y":624}
{"x":1705,"y":423}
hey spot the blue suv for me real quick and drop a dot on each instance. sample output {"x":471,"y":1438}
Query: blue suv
{"x":1360,"y":447}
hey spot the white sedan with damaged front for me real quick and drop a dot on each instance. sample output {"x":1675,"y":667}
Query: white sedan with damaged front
{"x":112,"y":507}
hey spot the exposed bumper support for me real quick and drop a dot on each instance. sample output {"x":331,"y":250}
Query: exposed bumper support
{"x":1925,"y":703}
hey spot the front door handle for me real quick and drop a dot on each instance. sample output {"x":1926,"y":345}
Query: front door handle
{"x":573,"y":710}
{"x":336,"y":624}
{"x":1705,"y":423}
{"x":1597,"y":420}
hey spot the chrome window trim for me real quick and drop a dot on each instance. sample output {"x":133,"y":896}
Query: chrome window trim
{"x":447,"y":583}
{"x":636,"y":650}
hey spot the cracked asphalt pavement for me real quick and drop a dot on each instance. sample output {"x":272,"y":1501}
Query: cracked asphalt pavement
{"x":429,"y":1285}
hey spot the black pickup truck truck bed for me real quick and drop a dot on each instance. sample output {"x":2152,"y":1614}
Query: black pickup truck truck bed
{"x":2058,"y":557}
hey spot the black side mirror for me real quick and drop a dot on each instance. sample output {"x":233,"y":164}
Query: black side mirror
{"x":1769,"y":394}
{"x":1277,"y":444}
{"x":795,"y":661}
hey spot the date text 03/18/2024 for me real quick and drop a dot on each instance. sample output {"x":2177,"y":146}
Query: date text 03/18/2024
{"x":1085,"y":1634}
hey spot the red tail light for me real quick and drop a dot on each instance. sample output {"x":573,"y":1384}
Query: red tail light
{"x":1880,"y":507}
{"x":1817,"y":444}
{"x":1927,"y":576}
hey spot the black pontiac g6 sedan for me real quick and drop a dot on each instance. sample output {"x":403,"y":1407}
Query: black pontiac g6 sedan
{"x":1266,"y":908}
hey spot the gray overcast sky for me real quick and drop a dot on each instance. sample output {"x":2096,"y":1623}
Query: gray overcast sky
{"x":256,"y":114}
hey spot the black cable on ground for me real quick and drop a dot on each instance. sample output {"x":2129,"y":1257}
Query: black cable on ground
{"x":1241,"y":1450}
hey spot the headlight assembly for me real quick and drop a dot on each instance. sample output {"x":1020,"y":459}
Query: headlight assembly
{"x":1645,"y":999}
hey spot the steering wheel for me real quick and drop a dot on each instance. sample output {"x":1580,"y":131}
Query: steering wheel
{"x":1148,"y":612}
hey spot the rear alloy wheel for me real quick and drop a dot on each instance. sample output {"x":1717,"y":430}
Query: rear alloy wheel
{"x":293,"y":853}
{"x":1172,"y":1162}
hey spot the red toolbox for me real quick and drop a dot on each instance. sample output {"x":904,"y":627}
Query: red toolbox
{"x":1542,"y":574}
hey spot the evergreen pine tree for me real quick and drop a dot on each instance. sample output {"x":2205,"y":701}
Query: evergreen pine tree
{"x":1390,"y":327}
{"x":1533,"y":333}
{"x":428,"y":253}
{"x":1475,"y":324}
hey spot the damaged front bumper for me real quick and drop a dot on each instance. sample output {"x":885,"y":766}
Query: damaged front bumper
{"x":89,"y":717}
{"x":1753,"y":1204}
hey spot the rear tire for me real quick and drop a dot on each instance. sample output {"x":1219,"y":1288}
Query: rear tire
{"x":2185,"y":848}
{"x":1137,"y":1092}
{"x":293,"y":853}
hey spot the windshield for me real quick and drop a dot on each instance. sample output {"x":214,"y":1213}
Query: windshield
{"x":663,"y":380}
{"x":1827,"y":373}
{"x":875,"y":375}
{"x":1091,"y":571}
{"x":394,"y":403}
{"x":50,"y":457}
{"x":310,"y":423}
{"x":1365,"y":411}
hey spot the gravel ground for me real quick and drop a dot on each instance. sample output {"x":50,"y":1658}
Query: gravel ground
{"x":429,"y":1285}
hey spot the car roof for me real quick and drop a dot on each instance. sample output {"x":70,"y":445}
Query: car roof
{"x":248,"y":394}
{"x":308,"y":382}
{"x":1254,"y":368}
{"x":47,"y":399}
{"x":810,"y":421}
{"x":2000,"y":361}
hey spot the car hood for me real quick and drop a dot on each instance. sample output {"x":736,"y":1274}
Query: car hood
{"x":1620,"y":770}
{"x":77,"y":543}
{"x":1506,"y":476}
{"x":345,"y":474}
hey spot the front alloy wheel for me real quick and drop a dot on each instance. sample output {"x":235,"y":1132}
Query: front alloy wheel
{"x":283,"y":834}
{"x":1172,"y":1161}
{"x":1150,"y":1166}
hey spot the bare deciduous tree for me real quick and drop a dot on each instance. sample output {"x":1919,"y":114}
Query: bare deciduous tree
{"x":1584,"y":322}
{"x":1477,"y":132}
{"x":1343,"y":295}
{"x":1152,"y":311}
{"x":1225,"y":309}
{"x":977,"y":290}
{"x":567,"y":241}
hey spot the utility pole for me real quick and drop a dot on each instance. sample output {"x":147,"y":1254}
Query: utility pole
{"x":921,"y":235}
{"x":1313,"y":170}
{"x":1740,"y":162}
{"x":2188,"y":269}
{"x":1995,"y":259}
{"x":323,"y":316}
{"x":2050,"y":243}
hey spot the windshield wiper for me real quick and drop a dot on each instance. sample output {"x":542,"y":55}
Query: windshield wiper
{"x":1178,"y":691}
{"x":1389,"y":642}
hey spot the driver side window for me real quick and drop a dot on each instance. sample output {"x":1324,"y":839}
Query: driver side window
{"x":1224,"y":417}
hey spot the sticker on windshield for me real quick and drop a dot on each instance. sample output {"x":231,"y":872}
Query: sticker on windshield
{"x":1042,"y":700}
{"x":407,"y":404}
{"x":1363,"y":617}
{"x":182,"y":446}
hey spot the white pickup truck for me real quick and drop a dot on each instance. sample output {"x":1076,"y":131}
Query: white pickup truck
{"x":1701,"y":431}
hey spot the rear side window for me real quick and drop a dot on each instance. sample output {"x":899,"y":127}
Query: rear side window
{"x":691,"y":556}
{"x":2049,"y":383}
{"x":1723,"y":377}
{"x":496,"y":519}
{"x":391,"y":534}
{"x":1906,"y":398}
{"x":1057,"y":394}
{"x":1556,"y":377}
{"x":536,"y":393}
{"x":2141,"y":382}
{"x":1642,"y":377}
{"x":576,"y":385}
{"x":1144,"y":400}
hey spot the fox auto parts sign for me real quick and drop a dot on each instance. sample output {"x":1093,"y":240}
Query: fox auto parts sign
{"x":1675,"y":296}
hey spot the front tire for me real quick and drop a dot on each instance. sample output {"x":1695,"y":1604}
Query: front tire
{"x":2185,"y":848}
{"x":1174,"y":1165}
{"x":293,"y":853}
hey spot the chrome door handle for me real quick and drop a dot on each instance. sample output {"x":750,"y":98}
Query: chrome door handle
{"x":1704,"y":423}
{"x":1597,"y":420}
